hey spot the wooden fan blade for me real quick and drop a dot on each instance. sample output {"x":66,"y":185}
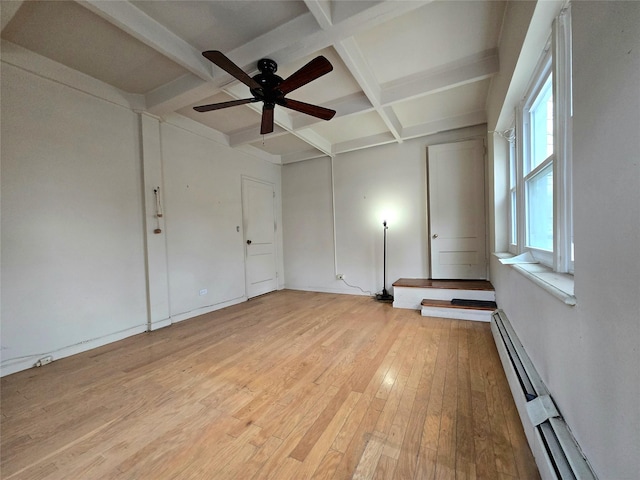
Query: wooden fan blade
{"x":314,"y":69}
{"x":313,"y":110}
{"x":267,"y":120}
{"x":218,"y":106}
{"x":231,"y":68}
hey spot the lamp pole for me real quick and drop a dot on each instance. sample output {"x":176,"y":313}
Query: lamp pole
{"x":384,"y":296}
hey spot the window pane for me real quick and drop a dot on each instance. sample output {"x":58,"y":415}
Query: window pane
{"x":540,"y":209}
{"x":541,"y":114}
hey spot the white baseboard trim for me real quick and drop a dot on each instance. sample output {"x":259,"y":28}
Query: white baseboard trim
{"x":165,"y":322}
{"x":329,"y":290}
{"x":180,"y":317}
{"x":30,"y":361}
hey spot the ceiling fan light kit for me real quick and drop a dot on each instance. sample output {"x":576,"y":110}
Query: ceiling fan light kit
{"x":270,"y":89}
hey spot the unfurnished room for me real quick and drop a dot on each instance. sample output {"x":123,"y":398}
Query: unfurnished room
{"x":320,"y":239}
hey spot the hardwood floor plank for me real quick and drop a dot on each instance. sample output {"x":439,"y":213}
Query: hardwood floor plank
{"x":503,"y":454}
{"x":366,"y":467}
{"x":292,"y":384}
{"x":465,"y":449}
{"x":328,"y":466}
{"x":446,"y":459}
{"x":386,"y":468}
{"x":323,"y":445}
{"x":271,"y":466}
{"x":360,"y":438}
{"x":426,"y":362}
{"x":431,"y":428}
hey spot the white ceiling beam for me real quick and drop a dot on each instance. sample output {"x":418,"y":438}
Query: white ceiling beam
{"x":357,"y":65}
{"x":314,"y":39}
{"x":294,"y":40}
{"x":321,"y":11}
{"x":315,"y":140}
{"x":267,"y":45}
{"x":347,"y":105}
{"x":442,"y":125}
{"x":251,"y":134}
{"x":364,"y":142}
{"x":178,"y":93}
{"x":368,"y":15}
{"x":282,"y":120}
{"x":196,"y":128}
{"x":141,"y":26}
{"x":302,"y":156}
{"x":470,"y":69}
{"x":259,"y":153}
{"x":8,"y":10}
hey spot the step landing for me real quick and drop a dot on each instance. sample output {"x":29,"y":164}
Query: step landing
{"x":447,"y":309}
{"x":410,"y":292}
{"x":433,"y":297}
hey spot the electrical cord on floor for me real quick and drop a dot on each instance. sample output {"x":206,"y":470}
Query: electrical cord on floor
{"x":355,"y":286}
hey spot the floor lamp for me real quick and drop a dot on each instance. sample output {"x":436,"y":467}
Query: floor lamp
{"x":384,"y":296}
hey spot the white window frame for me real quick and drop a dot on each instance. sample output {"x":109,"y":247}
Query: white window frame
{"x":513,"y":193}
{"x":555,"y":60}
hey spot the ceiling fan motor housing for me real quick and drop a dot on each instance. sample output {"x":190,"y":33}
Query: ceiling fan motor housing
{"x":269,"y":82}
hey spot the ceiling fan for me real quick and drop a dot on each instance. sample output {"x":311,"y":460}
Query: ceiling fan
{"x":269,"y":88}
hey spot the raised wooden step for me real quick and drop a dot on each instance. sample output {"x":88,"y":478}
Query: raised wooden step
{"x":447,"y":309}
{"x":409,"y":292}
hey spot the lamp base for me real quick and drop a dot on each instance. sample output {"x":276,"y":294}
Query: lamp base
{"x":384,"y":296}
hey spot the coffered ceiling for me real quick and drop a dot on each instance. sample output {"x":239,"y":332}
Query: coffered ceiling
{"x":401,"y":69}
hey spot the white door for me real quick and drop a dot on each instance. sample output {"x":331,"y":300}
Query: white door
{"x":258,"y":215}
{"x":457,"y":211}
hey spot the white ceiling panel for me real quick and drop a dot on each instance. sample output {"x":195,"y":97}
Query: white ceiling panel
{"x":223,"y":25}
{"x":71,"y":35}
{"x":446,"y":104}
{"x":351,"y":127}
{"x":400,"y":69}
{"x":437,"y":34}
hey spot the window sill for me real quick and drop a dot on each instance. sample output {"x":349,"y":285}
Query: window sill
{"x":560,"y":285}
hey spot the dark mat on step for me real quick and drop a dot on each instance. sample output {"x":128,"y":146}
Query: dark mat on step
{"x":461,"y":302}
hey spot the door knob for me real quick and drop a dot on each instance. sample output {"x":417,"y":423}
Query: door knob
{"x":435,"y":235}
{"x":248,"y":242}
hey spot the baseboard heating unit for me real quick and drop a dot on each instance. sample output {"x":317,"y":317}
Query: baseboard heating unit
{"x":557,"y":454}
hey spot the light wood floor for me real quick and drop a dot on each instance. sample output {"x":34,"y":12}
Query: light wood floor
{"x":291,"y":385}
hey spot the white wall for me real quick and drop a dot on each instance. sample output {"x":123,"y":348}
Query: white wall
{"x":72,"y":244}
{"x":77,"y":227}
{"x":386,"y":182}
{"x":588,"y":355}
{"x":308,"y":225}
{"x":203,"y":206}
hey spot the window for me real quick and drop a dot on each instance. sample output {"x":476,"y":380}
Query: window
{"x":540,"y":207}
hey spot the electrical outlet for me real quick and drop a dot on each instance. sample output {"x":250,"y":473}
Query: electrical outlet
{"x":204,"y":291}
{"x":340,"y":276}
{"x":44,"y":361}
